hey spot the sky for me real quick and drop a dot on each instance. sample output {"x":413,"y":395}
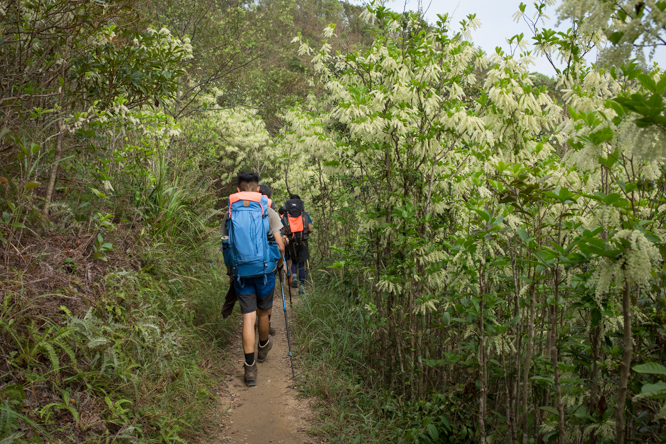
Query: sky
{"x":496,"y":23}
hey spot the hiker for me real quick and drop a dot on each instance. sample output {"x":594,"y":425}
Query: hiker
{"x":297,"y":227}
{"x":266,"y":191}
{"x":252,"y":246}
{"x":231,"y":298}
{"x":282,"y":211}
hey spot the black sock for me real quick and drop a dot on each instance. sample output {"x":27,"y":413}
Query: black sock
{"x":249,"y":358}
{"x":263,"y":343}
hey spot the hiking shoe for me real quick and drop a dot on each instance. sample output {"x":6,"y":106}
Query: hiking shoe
{"x":271,"y":331}
{"x":263,"y":351}
{"x":294,"y":284}
{"x":250,"y":374}
{"x":301,"y":290}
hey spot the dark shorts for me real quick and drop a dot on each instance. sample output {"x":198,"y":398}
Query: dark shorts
{"x":299,"y":252}
{"x":255,"y":293}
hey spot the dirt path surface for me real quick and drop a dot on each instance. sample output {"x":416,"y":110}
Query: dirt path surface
{"x":269,"y":412}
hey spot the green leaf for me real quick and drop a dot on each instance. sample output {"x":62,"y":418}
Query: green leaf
{"x":484,"y":214}
{"x":616,"y":37}
{"x":446,"y":317}
{"x":595,"y":314}
{"x":98,"y":193}
{"x":545,"y":379}
{"x":648,"y":82}
{"x":550,"y":409}
{"x":523,"y":235}
{"x":654,"y":391}
{"x":581,"y":412}
{"x":611,"y":198}
{"x":30,"y":185}
{"x":651,"y":368}
{"x":432,"y":431}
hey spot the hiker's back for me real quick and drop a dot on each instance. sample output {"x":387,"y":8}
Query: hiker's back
{"x":295,"y":221}
{"x":248,"y":251}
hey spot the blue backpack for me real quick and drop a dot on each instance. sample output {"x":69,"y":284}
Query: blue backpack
{"x":248,"y":251}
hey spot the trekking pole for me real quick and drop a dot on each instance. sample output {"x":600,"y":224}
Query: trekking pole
{"x":286,"y":321}
{"x":289,"y":287}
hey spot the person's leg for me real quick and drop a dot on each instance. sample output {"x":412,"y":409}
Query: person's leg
{"x":294,"y":273}
{"x":247,"y":297}
{"x":271,"y":330}
{"x":301,"y":272}
{"x":248,"y":334}
{"x":264,"y":305}
{"x":263,"y":325}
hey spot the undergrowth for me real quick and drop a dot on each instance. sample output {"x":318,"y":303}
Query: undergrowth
{"x":351,"y":407}
{"x":116,"y":340}
{"x":136,"y":366}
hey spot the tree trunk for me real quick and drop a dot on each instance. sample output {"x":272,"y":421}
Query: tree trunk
{"x":482,"y":358}
{"x":554,"y":358}
{"x":594,"y":389}
{"x":507,"y":388}
{"x":54,"y":169}
{"x":528,"y":359}
{"x":626,"y":364}
{"x":58,"y":142}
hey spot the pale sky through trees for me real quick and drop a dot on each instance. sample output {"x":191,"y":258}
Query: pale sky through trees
{"x":496,"y":23}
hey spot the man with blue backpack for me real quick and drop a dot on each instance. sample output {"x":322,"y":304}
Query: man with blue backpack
{"x":252,"y":246}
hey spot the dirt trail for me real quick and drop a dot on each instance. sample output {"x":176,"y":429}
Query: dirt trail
{"x":269,"y":412}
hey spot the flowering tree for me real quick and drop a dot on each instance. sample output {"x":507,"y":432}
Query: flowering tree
{"x":495,"y":230}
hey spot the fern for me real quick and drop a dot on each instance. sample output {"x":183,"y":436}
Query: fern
{"x":105,"y":362}
{"x":97,"y":341}
{"x":9,"y":423}
{"x":69,"y":351}
{"x":52,"y":355}
{"x":8,"y":419}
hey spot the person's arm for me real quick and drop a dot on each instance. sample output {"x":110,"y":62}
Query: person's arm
{"x":223,"y":226}
{"x":310,"y":230}
{"x":278,"y":239}
{"x":275,"y":227}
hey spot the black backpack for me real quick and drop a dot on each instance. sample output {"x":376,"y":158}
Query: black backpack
{"x":295,"y":221}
